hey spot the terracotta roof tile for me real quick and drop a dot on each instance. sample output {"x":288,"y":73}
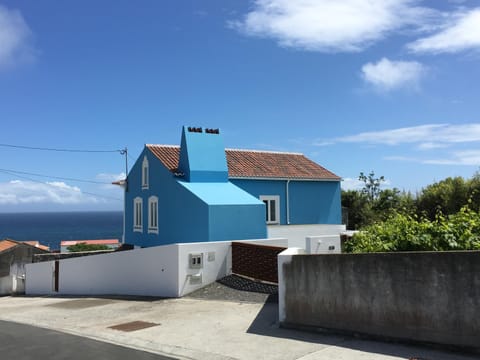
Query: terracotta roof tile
{"x":7,"y":244}
{"x":255,"y":164}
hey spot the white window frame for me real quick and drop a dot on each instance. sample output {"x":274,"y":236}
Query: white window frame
{"x":153,"y":215}
{"x":138,"y":214}
{"x":145,"y":173}
{"x":268,"y":216}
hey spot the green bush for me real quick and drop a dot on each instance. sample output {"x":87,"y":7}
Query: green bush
{"x":404,"y":232}
{"x":87,"y":247}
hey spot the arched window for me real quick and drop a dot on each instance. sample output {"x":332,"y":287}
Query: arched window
{"x":145,"y":173}
{"x":153,"y":215}
{"x":137,"y":214}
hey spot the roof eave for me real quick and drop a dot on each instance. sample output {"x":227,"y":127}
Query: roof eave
{"x":282,"y":178}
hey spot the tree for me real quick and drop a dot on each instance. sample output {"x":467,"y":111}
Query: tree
{"x":87,"y":247}
{"x":358,"y":207}
{"x":371,"y":186}
{"x":446,"y":196}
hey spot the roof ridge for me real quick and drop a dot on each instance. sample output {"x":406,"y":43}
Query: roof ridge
{"x":234,"y":149}
{"x":164,"y":145}
{"x":266,"y":151}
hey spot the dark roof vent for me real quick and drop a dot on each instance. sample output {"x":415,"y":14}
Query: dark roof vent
{"x":212,"y":131}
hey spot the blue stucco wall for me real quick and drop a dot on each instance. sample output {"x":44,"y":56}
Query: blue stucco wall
{"x":311,"y":202}
{"x":265,"y":187}
{"x":315,"y":202}
{"x":202,"y":157}
{"x":237,"y":222}
{"x":181,"y":216}
{"x":191,"y":212}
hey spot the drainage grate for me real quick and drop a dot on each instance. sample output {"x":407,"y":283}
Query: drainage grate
{"x":133,"y":326}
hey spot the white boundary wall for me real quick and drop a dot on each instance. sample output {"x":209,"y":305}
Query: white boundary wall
{"x":156,"y":271}
{"x":323,"y":244}
{"x":39,"y":278}
{"x":296,"y":234}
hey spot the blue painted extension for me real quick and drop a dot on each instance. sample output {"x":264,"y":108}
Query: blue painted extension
{"x":200,"y":206}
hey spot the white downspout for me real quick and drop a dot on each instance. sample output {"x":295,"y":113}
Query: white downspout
{"x":287,"y":202}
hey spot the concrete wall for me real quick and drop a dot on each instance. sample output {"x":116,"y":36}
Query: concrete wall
{"x":155,"y":271}
{"x":217,"y":263}
{"x":323,"y":244}
{"x":429,"y":297}
{"x":12,"y":267}
{"x":297,"y":234}
{"x":39,"y":278}
{"x":151,"y":271}
{"x":6,"y":285}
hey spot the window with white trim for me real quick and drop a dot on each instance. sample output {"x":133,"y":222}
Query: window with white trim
{"x":153,"y":215}
{"x":272,"y":208}
{"x":145,"y":173}
{"x":137,"y":214}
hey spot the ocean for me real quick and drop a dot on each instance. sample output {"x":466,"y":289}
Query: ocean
{"x":50,"y":228}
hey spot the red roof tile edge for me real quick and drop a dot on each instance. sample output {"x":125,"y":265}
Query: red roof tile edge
{"x":243,"y":163}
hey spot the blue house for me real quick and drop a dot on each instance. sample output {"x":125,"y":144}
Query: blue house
{"x":200,"y":191}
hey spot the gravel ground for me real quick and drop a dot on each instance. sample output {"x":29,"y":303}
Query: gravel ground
{"x":236,"y":288}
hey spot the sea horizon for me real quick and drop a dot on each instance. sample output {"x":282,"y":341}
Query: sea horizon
{"x":52,"y":227}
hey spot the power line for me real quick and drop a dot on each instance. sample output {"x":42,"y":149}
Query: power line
{"x":83,"y":192}
{"x":53,"y":177}
{"x":61,"y":150}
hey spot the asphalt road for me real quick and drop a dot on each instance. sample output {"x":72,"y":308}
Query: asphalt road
{"x":25,"y":342}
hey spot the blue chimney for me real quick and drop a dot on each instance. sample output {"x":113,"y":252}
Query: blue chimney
{"x":202,"y":155}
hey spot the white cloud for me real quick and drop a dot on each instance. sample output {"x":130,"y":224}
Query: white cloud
{"x":15,"y":37}
{"x":466,"y":157}
{"x":110,"y":177}
{"x":331,"y":25}
{"x":28,"y":192}
{"x":388,"y":75}
{"x":355,"y":184}
{"x":461,"y":33}
{"x":431,"y":145}
{"x":431,"y":133}
{"x":351,"y":184}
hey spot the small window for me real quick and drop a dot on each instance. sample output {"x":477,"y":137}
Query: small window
{"x":145,"y":173}
{"x":137,"y":214}
{"x":272,"y":208}
{"x":153,"y":214}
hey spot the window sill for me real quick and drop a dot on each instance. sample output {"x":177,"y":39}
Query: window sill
{"x":153,"y":231}
{"x":137,"y":229}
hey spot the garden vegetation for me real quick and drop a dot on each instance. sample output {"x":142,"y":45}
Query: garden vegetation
{"x":443,"y":216}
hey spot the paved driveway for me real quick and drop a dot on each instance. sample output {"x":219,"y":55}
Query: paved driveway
{"x":198,"y":328}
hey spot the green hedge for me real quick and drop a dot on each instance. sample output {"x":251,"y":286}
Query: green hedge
{"x":403,"y":232}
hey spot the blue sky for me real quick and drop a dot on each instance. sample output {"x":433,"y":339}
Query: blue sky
{"x":389,"y":86}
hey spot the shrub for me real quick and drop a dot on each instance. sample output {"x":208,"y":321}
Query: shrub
{"x":404,"y":232}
